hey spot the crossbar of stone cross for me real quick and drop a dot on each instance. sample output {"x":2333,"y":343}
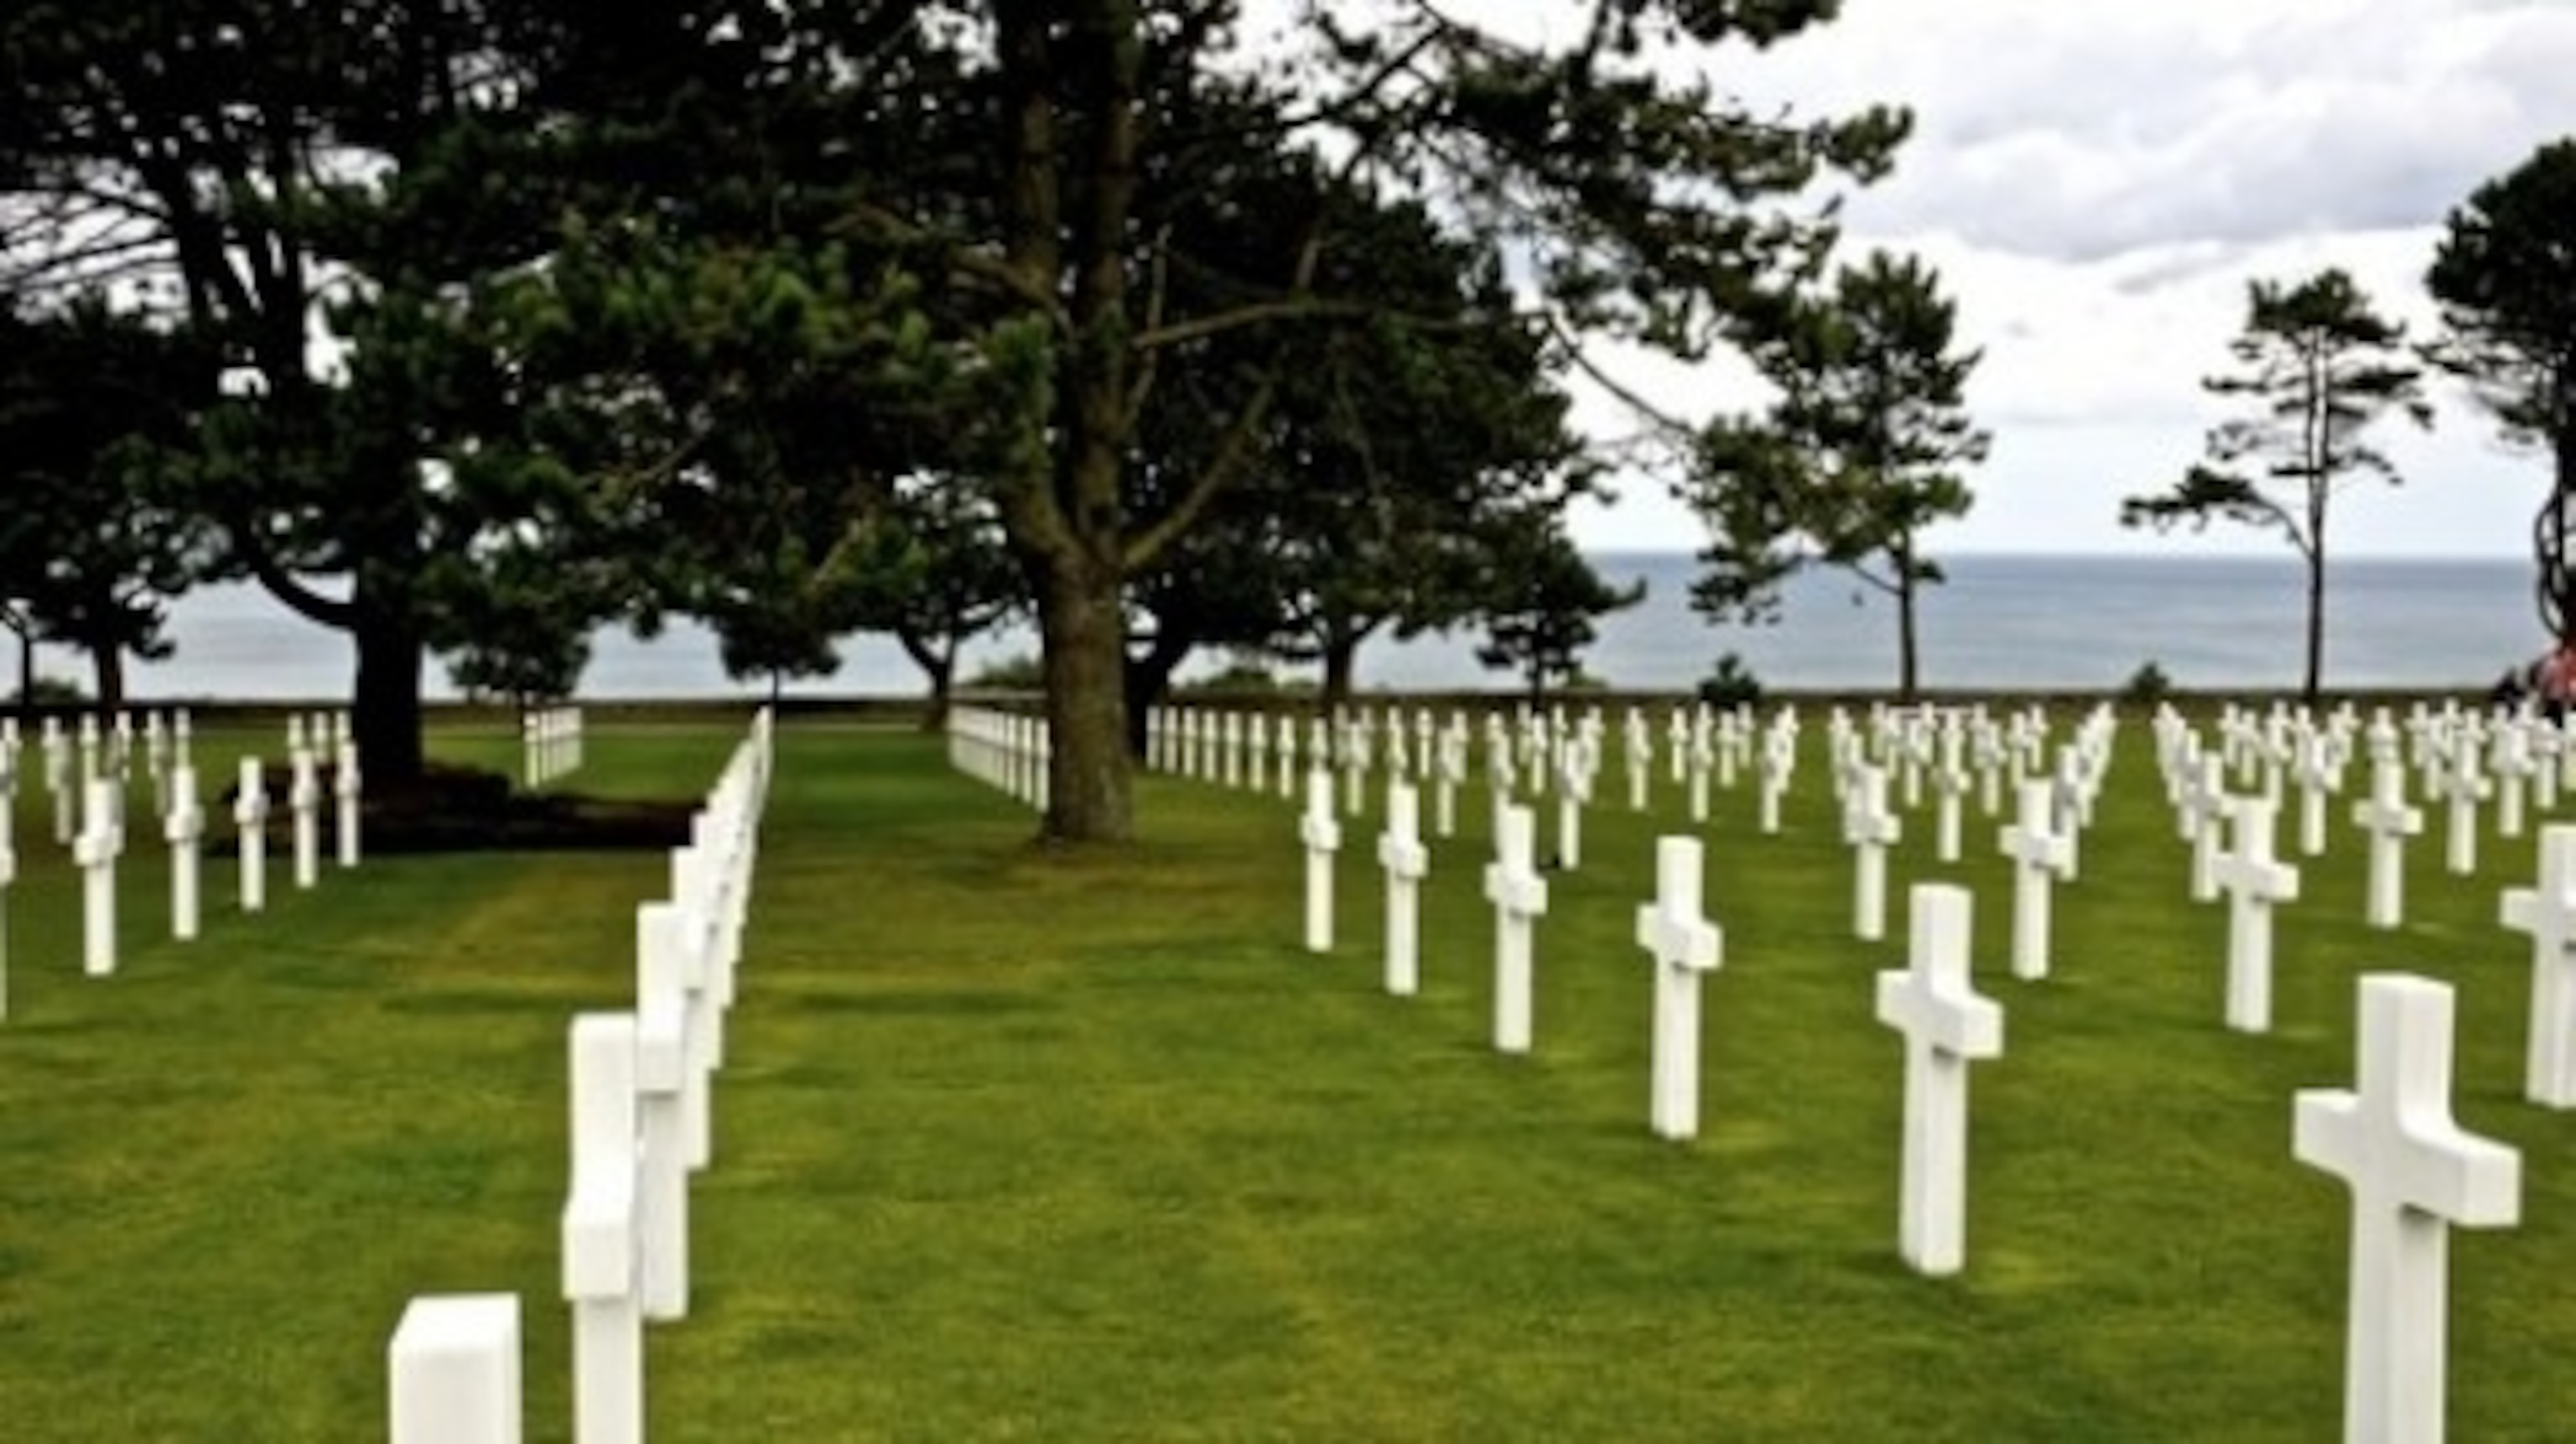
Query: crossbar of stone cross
{"x":1406,"y":862}
{"x":452,"y":1370}
{"x":95,"y":851}
{"x":1519,"y":897}
{"x":1870,"y":830}
{"x":185,"y":830}
{"x":1322,"y":835}
{"x":2039,"y":854}
{"x":602,"y":1240}
{"x":1683,"y":944}
{"x":2389,"y":820}
{"x":2413,"y":1173}
{"x":663,"y":1081}
{"x":2547,"y":911}
{"x":2254,"y":880}
{"x":1946,"y":1025}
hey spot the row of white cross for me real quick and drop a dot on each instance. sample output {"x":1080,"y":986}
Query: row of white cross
{"x":642,"y":1123}
{"x":95,"y":825}
{"x":2411,"y":1170}
{"x":1006,"y":750}
{"x":550,"y":744}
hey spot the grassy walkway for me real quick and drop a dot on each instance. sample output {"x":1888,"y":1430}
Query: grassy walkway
{"x":1019,"y":1147}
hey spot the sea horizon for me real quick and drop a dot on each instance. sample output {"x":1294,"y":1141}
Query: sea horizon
{"x":2007,"y":620}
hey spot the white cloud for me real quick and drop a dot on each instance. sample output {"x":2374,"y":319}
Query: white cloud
{"x":2097,"y":185}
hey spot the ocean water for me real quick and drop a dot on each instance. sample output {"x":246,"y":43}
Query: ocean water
{"x":1999,"y":623}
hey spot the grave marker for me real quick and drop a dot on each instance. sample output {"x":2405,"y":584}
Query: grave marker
{"x":1683,"y":944}
{"x":2413,"y":1173}
{"x":2390,"y":821}
{"x":2254,"y":880}
{"x":250,"y":813}
{"x":95,"y":851}
{"x":2039,"y":853}
{"x":1519,"y":896}
{"x":2548,"y":912}
{"x":600,"y":1237}
{"x":1406,"y":862}
{"x":1322,"y":835}
{"x":1870,"y":831}
{"x":185,"y":830}
{"x":453,"y":1371}
{"x":1946,"y":1026}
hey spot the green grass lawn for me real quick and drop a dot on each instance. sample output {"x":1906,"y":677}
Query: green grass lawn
{"x":1020,"y":1146}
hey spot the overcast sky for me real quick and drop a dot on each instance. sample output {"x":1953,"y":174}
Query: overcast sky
{"x":2098,"y":182}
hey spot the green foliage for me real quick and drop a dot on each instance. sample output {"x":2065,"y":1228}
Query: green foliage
{"x":1242,"y":677}
{"x":1862,"y":450}
{"x":2505,"y":275}
{"x":2319,"y":367}
{"x":1731,"y":684}
{"x":1543,"y":621}
{"x":2147,"y":685}
{"x":1019,"y":672}
{"x":52,"y":691}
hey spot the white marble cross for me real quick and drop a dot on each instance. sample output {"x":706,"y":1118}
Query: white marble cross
{"x":2311,"y":767}
{"x":250,"y":814}
{"x":95,"y":851}
{"x":1949,"y":790}
{"x":602,"y":1239}
{"x":304,"y":797}
{"x":1573,"y":793}
{"x":2039,"y":855}
{"x":2461,"y":784}
{"x":2199,"y":815}
{"x":185,"y":830}
{"x":665,"y":1054}
{"x":1946,"y":1025}
{"x":2548,"y":912}
{"x":1639,"y":753}
{"x":348,"y":790}
{"x":453,"y":1371}
{"x":2253,"y":880}
{"x":2512,"y":764}
{"x":1683,"y":944}
{"x":1322,"y":835}
{"x":1870,"y":831}
{"x":1406,"y":862}
{"x":8,"y":880}
{"x":1519,"y":896}
{"x":1450,"y":776}
{"x":1779,"y":753}
{"x":2413,"y":1173}
{"x":2389,"y":820}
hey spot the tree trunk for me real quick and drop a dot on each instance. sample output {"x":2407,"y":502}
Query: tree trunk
{"x":1082,"y":626}
{"x":1341,"y":664}
{"x":107,"y":662}
{"x":1149,"y":680}
{"x":27,"y":675}
{"x":385,"y":713}
{"x":942,"y":667}
{"x":1909,"y":657}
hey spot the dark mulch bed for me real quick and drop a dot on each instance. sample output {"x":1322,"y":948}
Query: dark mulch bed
{"x":463,"y":809}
